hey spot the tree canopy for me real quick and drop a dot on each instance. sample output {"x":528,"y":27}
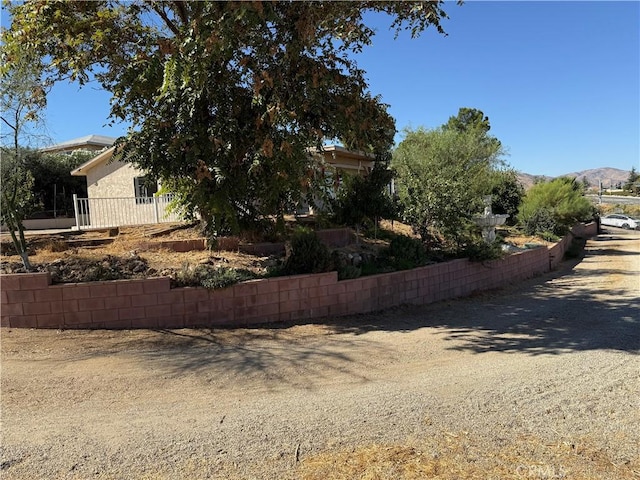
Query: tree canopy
{"x":442,"y":176}
{"x":469,"y":119}
{"x":224,"y":98}
{"x":633,"y":181}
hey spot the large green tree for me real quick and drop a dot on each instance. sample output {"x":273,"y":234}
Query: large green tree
{"x":443,"y":175}
{"x":224,"y":97}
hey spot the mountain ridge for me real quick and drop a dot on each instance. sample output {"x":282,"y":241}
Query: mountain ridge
{"x":610,"y":177}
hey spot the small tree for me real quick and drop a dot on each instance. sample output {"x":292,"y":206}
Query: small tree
{"x":585,"y":185}
{"x":16,"y":184}
{"x":53,"y":184}
{"x":363,"y":199}
{"x":552,"y":208}
{"x":632,"y":184}
{"x":22,"y":100}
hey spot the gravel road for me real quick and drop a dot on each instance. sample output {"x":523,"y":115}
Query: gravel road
{"x":554,"y":361}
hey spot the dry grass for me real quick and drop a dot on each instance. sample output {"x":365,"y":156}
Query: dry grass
{"x":131,"y":241}
{"x":631,"y":210}
{"x":139,"y":240}
{"x":462,"y":457}
{"x":398,"y":227}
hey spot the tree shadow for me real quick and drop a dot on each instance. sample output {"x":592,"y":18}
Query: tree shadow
{"x":546,"y":315}
{"x":571,"y":309}
{"x":287,"y":355}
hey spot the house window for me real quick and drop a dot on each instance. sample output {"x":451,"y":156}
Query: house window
{"x":144,"y":188}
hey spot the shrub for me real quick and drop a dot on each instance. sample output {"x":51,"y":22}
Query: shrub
{"x":210,"y":277}
{"x":348,"y":272}
{"x":540,"y":222}
{"x":363,"y":200}
{"x":481,"y":251}
{"x":405,"y":252}
{"x":554,"y":207}
{"x":308,"y":254}
{"x":506,"y":193}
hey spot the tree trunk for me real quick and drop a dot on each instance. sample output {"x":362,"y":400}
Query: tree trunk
{"x":20,"y":244}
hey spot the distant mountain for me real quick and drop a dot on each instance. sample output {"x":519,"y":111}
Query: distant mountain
{"x":528,"y":180}
{"x":608,"y":177}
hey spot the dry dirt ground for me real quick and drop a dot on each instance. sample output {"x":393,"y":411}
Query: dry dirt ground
{"x":538,"y":381}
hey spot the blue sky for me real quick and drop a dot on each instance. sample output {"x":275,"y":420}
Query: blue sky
{"x":559,"y":81}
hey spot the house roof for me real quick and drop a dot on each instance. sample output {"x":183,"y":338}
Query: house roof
{"x":337,"y":150}
{"x":342,"y":158}
{"x":334,"y":154}
{"x":82,"y":170}
{"x":77,"y":143}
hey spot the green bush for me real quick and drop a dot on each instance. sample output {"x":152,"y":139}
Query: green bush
{"x":506,"y":193}
{"x":481,"y":251}
{"x":364,"y":200}
{"x":308,"y":254}
{"x":211,"y":277}
{"x":554,"y":207}
{"x":348,"y":272}
{"x":405,"y":252}
{"x":541,"y":221}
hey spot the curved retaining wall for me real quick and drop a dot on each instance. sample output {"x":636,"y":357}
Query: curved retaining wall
{"x":30,"y":301}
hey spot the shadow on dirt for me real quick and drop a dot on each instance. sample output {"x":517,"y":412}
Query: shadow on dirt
{"x":298,"y":356}
{"x":288,"y":357}
{"x":572,"y":309}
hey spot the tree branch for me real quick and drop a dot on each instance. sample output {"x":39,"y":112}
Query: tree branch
{"x":8,"y":124}
{"x":182,"y":11}
{"x":172,"y":26}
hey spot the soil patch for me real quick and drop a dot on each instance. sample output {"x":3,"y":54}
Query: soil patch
{"x":140,"y":252}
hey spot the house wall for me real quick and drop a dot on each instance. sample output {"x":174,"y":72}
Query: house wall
{"x":112,"y":180}
{"x":29,"y":301}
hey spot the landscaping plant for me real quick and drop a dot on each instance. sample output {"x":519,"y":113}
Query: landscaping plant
{"x":551,"y":208}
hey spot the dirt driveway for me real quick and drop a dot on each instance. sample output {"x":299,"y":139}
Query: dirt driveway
{"x":538,"y":381}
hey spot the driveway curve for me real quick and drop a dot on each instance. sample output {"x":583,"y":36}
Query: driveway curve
{"x":542,"y":378}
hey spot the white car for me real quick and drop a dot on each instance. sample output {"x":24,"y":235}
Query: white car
{"x":617,"y":220}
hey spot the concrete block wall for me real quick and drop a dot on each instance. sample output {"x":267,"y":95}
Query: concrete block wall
{"x":557,"y":251}
{"x":30,"y":301}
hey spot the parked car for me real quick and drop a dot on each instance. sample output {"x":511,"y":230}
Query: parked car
{"x":622,"y":221}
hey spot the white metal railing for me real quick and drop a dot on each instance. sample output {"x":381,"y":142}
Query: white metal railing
{"x":118,"y":212}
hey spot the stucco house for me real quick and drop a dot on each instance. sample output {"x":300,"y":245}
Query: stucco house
{"x":111,"y":181}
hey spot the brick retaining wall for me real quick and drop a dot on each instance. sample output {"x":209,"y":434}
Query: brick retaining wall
{"x":29,"y":300}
